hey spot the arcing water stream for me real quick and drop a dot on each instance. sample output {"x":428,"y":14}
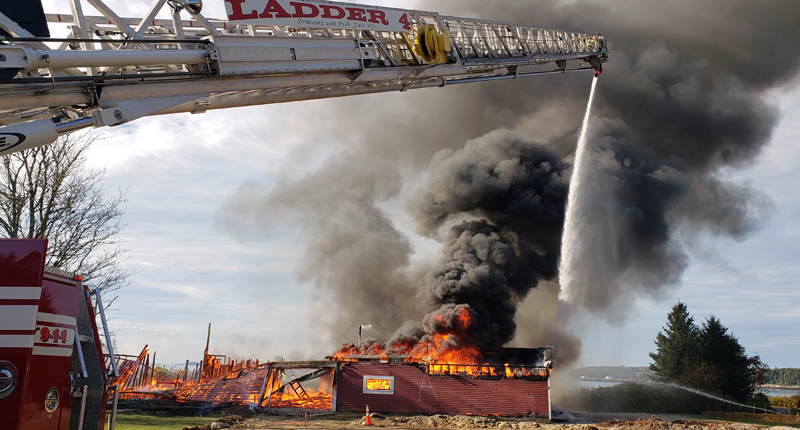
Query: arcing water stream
{"x":689,"y":389}
{"x":710,"y":396}
{"x":576,"y":204}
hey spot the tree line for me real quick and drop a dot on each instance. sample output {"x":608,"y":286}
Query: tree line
{"x":785,"y":377}
{"x":706,"y":357}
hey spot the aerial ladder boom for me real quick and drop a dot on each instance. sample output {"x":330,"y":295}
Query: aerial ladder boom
{"x":110,"y":70}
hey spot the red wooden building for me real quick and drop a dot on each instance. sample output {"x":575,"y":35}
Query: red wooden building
{"x":520,"y":386}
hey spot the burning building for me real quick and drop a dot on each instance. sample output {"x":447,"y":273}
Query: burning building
{"x":441,"y":365}
{"x":510,"y":382}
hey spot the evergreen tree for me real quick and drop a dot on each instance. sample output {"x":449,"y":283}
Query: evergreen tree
{"x":709,"y":358}
{"x":722,"y":352}
{"x":677,"y":347}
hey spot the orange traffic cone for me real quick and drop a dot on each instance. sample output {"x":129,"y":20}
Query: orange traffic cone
{"x":368,"y":421}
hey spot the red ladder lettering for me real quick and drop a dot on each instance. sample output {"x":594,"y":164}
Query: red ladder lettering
{"x":378,"y":17}
{"x":300,"y":10}
{"x":237,"y":13}
{"x":356,"y":14}
{"x":327,"y":9}
{"x":274,"y":10}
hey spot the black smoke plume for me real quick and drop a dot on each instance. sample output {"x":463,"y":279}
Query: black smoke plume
{"x":514,"y":193}
{"x":684,"y":96}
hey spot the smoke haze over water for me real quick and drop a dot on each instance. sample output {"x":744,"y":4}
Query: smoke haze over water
{"x":683,"y":97}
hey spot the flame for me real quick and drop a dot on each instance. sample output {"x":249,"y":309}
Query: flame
{"x":297,"y":396}
{"x":453,"y":352}
{"x":452,"y":347}
{"x":220,"y":380}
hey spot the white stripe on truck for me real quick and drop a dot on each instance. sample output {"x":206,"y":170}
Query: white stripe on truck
{"x":18,"y":317}
{"x":20,"y":293}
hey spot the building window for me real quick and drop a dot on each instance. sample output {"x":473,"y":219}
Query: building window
{"x":378,"y":384}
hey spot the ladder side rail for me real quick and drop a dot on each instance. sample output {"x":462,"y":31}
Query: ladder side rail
{"x":115,"y":20}
{"x":469,"y":34}
{"x":539,"y":41}
{"x":385,"y":54}
{"x":580,"y":41}
{"x":481,"y":30}
{"x":208,"y":25}
{"x":583,"y":41}
{"x":173,"y":59}
{"x":406,"y":48}
{"x":112,"y":17}
{"x":552,"y":41}
{"x":177,"y":27}
{"x":566,"y":43}
{"x":512,"y":41}
{"x":157,"y":22}
{"x":80,"y":29}
{"x":574,"y":42}
{"x":491,"y":37}
{"x":66,"y":44}
{"x":558,"y":41}
{"x":392,"y":42}
{"x":457,"y":38}
{"x":454,"y":30}
{"x":561,"y":44}
{"x":401,"y":49}
{"x":532,"y":39}
{"x":109,"y":346}
{"x":471,"y":38}
{"x":481,"y":48}
{"x":79,"y":349}
{"x":144,"y":24}
{"x":498,"y":32}
{"x":522,"y":36}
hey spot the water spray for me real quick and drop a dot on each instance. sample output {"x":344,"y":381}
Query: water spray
{"x":704,"y":394}
{"x":576,"y":198}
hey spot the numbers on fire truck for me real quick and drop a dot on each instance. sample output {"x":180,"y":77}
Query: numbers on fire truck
{"x":54,"y":335}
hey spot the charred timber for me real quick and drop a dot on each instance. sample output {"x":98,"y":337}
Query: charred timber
{"x":301,"y":364}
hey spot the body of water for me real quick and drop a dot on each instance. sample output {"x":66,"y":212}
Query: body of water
{"x":780,"y":392}
{"x":595,"y":384}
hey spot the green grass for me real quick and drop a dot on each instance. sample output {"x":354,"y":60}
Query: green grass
{"x":152,"y":421}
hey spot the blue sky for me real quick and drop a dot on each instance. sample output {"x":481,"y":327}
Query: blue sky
{"x":179,"y":171}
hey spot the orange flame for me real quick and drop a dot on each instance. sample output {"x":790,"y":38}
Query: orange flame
{"x":451,"y":353}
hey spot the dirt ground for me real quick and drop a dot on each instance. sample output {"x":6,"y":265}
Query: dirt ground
{"x":244,"y":418}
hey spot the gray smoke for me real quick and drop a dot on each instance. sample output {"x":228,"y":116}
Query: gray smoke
{"x":685,"y":95}
{"x":353,"y":253}
{"x":514,"y":192}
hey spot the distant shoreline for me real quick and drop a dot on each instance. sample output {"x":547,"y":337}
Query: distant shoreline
{"x":781,"y":387}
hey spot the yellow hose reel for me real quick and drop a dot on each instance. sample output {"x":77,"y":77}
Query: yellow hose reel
{"x":431,"y":45}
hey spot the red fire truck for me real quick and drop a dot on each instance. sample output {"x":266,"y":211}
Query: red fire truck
{"x":53,"y":372}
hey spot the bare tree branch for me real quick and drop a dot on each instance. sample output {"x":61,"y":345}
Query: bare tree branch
{"x":48,"y":192}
